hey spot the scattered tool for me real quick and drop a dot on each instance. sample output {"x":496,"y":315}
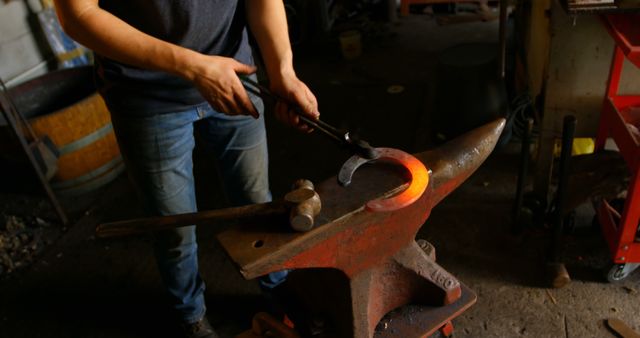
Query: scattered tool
{"x":264,"y":325}
{"x":352,"y":142}
{"x":302,"y":203}
{"x":621,"y":328}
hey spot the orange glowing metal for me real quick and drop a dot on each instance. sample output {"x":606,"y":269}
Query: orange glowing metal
{"x":419,"y":178}
{"x":419,"y":181}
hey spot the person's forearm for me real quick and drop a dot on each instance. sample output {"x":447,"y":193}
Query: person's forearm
{"x":109,"y":36}
{"x":268,"y":23}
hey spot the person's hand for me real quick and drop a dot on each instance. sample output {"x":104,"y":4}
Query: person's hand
{"x":296,"y":95}
{"x":216,"y":78}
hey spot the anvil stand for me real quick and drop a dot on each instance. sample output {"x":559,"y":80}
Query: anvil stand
{"x":359,"y":265}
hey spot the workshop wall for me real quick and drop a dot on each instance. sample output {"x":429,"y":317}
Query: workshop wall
{"x":579,"y":61}
{"x":575,"y":79}
{"x":24,"y":53}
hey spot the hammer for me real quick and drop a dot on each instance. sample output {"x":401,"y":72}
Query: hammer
{"x":302,"y":203}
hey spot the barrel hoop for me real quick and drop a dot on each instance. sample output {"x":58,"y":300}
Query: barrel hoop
{"x":88,"y":176}
{"x":94,"y":184}
{"x":86,"y":140}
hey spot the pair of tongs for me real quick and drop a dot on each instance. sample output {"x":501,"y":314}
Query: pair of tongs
{"x":355,"y":144}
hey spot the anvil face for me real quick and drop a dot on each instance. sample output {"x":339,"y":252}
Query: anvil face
{"x":373,"y":249}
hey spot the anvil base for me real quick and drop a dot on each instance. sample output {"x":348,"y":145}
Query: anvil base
{"x":413,"y":321}
{"x":410,"y":321}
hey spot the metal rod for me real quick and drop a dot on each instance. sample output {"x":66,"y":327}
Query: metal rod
{"x":516,"y":224}
{"x":209,"y":217}
{"x":358,"y":146}
{"x":16,"y":115}
{"x":264,"y":92}
{"x":503,"y":38}
{"x":568,"y":132}
{"x":9,"y":112}
{"x":323,"y":128}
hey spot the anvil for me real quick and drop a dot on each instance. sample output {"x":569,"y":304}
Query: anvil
{"x":360,"y":263}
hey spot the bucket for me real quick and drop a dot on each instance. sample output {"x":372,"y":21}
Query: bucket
{"x":65,"y":106}
{"x":351,"y":44}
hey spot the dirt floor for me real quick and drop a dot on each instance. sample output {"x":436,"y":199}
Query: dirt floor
{"x":84,"y":287}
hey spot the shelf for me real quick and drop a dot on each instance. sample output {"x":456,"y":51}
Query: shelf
{"x":618,"y":121}
{"x":582,"y":7}
{"x":609,"y":223}
{"x":625,"y":31}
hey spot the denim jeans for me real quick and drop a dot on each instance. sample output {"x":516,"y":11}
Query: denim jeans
{"x":157,"y":151}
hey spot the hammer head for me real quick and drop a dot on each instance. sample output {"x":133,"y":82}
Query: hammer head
{"x":305,"y":205}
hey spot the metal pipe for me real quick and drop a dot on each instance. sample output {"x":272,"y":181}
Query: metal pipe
{"x":503,"y":38}
{"x":13,"y":117}
{"x":516,"y":225}
{"x":568,"y":132}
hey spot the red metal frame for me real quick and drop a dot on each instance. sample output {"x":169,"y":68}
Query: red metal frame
{"x":447,"y":329}
{"x":617,"y":111}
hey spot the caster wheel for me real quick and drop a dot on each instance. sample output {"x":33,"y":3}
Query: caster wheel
{"x":618,"y":272}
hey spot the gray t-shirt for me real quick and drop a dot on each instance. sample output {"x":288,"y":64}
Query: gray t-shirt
{"x":214,"y":27}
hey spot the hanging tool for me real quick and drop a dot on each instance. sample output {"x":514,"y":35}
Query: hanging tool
{"x":265,"y":325}
{"x":352,"y":142}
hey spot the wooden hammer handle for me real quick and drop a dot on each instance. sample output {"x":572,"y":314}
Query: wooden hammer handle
{"x":210,"y":217}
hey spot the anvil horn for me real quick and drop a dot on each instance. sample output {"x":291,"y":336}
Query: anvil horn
{"x":452,"y":163}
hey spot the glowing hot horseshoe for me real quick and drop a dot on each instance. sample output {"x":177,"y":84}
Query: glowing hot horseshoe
{"x":419,"y":178}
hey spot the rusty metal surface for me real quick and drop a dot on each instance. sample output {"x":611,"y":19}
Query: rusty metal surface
{"x":414,"y":321}
{"x":375,"y":251}
{"x":265,"y":325}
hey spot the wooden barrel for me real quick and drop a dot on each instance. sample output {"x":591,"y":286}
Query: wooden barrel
{"x":65,"y":106}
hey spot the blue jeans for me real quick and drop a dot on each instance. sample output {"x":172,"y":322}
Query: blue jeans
{"x":157,"y":151}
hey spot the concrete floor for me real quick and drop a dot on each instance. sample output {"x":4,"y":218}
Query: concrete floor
{"x":83,"y":287}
